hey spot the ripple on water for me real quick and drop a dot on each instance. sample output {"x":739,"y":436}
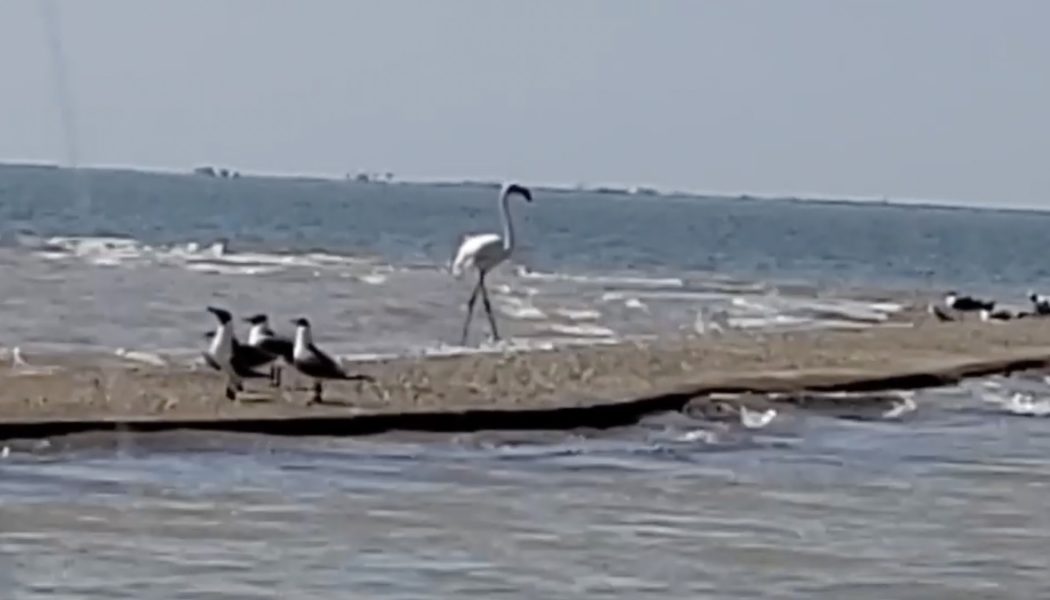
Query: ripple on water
{"x":807,"y":505}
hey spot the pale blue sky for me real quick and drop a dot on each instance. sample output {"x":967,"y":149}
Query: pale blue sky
{"x":937,"y":99}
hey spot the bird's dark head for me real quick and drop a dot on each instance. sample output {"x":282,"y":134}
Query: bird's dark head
{"x":301,"y":322}
{"x":259,"y":319}
{"x":512,"y":189}
{"x":221,"y":314}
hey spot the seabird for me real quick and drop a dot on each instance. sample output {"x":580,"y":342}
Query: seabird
{"x":263,"y":338}
{"x":227,"y":355}
{"x":967,"y":303}
{"x":311,"y":361}
{"x":998,"y":315}
{"x":939,"y":312}
{"x":1040,"y":302}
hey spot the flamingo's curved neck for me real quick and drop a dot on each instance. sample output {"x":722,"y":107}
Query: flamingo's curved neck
{"x":508,"y":227}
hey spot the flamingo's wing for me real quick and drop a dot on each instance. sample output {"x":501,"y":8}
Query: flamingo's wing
{"x":474,"y":250}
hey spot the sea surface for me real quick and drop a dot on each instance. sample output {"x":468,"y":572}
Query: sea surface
{"x":941,"y":497}
{"x":107,"y":259}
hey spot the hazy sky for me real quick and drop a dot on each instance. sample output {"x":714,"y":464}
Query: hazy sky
{"x":938,"y":99}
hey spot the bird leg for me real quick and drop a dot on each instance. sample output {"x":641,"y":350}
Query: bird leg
{"x":488,"y":307}
{"x":316,"y":399}
{"x":231,"y":390}
{"x":470,"y":310}
{"x":275,"y":375}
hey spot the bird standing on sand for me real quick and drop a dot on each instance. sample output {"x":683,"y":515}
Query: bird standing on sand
{"x":219,"y":354}
{"x":229,"y":356}
{"x":262,"y":338}
{"x":938,"y":312}
{"x":1040,"y":303}
{"x":998,"y":315}
{"x":967,"y":303}
{"x":484,"y":251}
{"x":309,"y":360}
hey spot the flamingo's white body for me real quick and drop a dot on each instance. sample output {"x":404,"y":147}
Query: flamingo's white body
{"x":484,"y":251}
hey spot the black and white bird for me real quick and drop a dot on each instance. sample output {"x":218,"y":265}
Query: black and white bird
{"x":261,"y":337}
{"x":967,"y":303}
{"x":482,"y":252}
{"x":311,"y":361}
{"x":940,"y":313}
{"x":227,"y":355}
{"x":999,"y":315}
{"x":1040,"y":303}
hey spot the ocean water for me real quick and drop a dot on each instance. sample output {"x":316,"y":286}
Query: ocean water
{"x":125,"y":259}
{"x":939,"y":497}
{"x":945,"y":500}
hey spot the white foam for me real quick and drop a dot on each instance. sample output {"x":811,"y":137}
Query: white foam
{"x":373,"y":279}
{"x":219,"y":269}
{"x":1026,"y":404}
{"x":820,"y":309}
{"x":753,"y":419}
{"x":578,"y":314}
{"x":214,"y":257}
{"x":636,"y":304}
{"x":705,"y":436}
{"x":143,"y":357}
{"x":525,"y":273}
{"x":899,"y":409}
{"x":520,"y":308}
{"x":581,"y":330}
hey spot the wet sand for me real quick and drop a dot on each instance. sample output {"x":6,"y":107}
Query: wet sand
{"x":535,"y":389}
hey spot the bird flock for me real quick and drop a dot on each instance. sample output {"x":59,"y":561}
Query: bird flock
{"x":237,"y":361}
{"x":479,"y":253}
{"x":955,"y":306}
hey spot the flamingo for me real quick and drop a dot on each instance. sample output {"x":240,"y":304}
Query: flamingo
{"x":484,"y":251}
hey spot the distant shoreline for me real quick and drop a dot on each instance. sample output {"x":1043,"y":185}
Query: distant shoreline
{"x":641,"y":191}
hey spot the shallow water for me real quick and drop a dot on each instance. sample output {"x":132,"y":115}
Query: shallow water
{"x":945,"y":501}
{"x":136,"y":266}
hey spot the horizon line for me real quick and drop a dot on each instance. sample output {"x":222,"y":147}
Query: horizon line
{"x":648,"y":189}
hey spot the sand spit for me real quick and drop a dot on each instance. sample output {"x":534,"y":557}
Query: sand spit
{"x":599,"y":386}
